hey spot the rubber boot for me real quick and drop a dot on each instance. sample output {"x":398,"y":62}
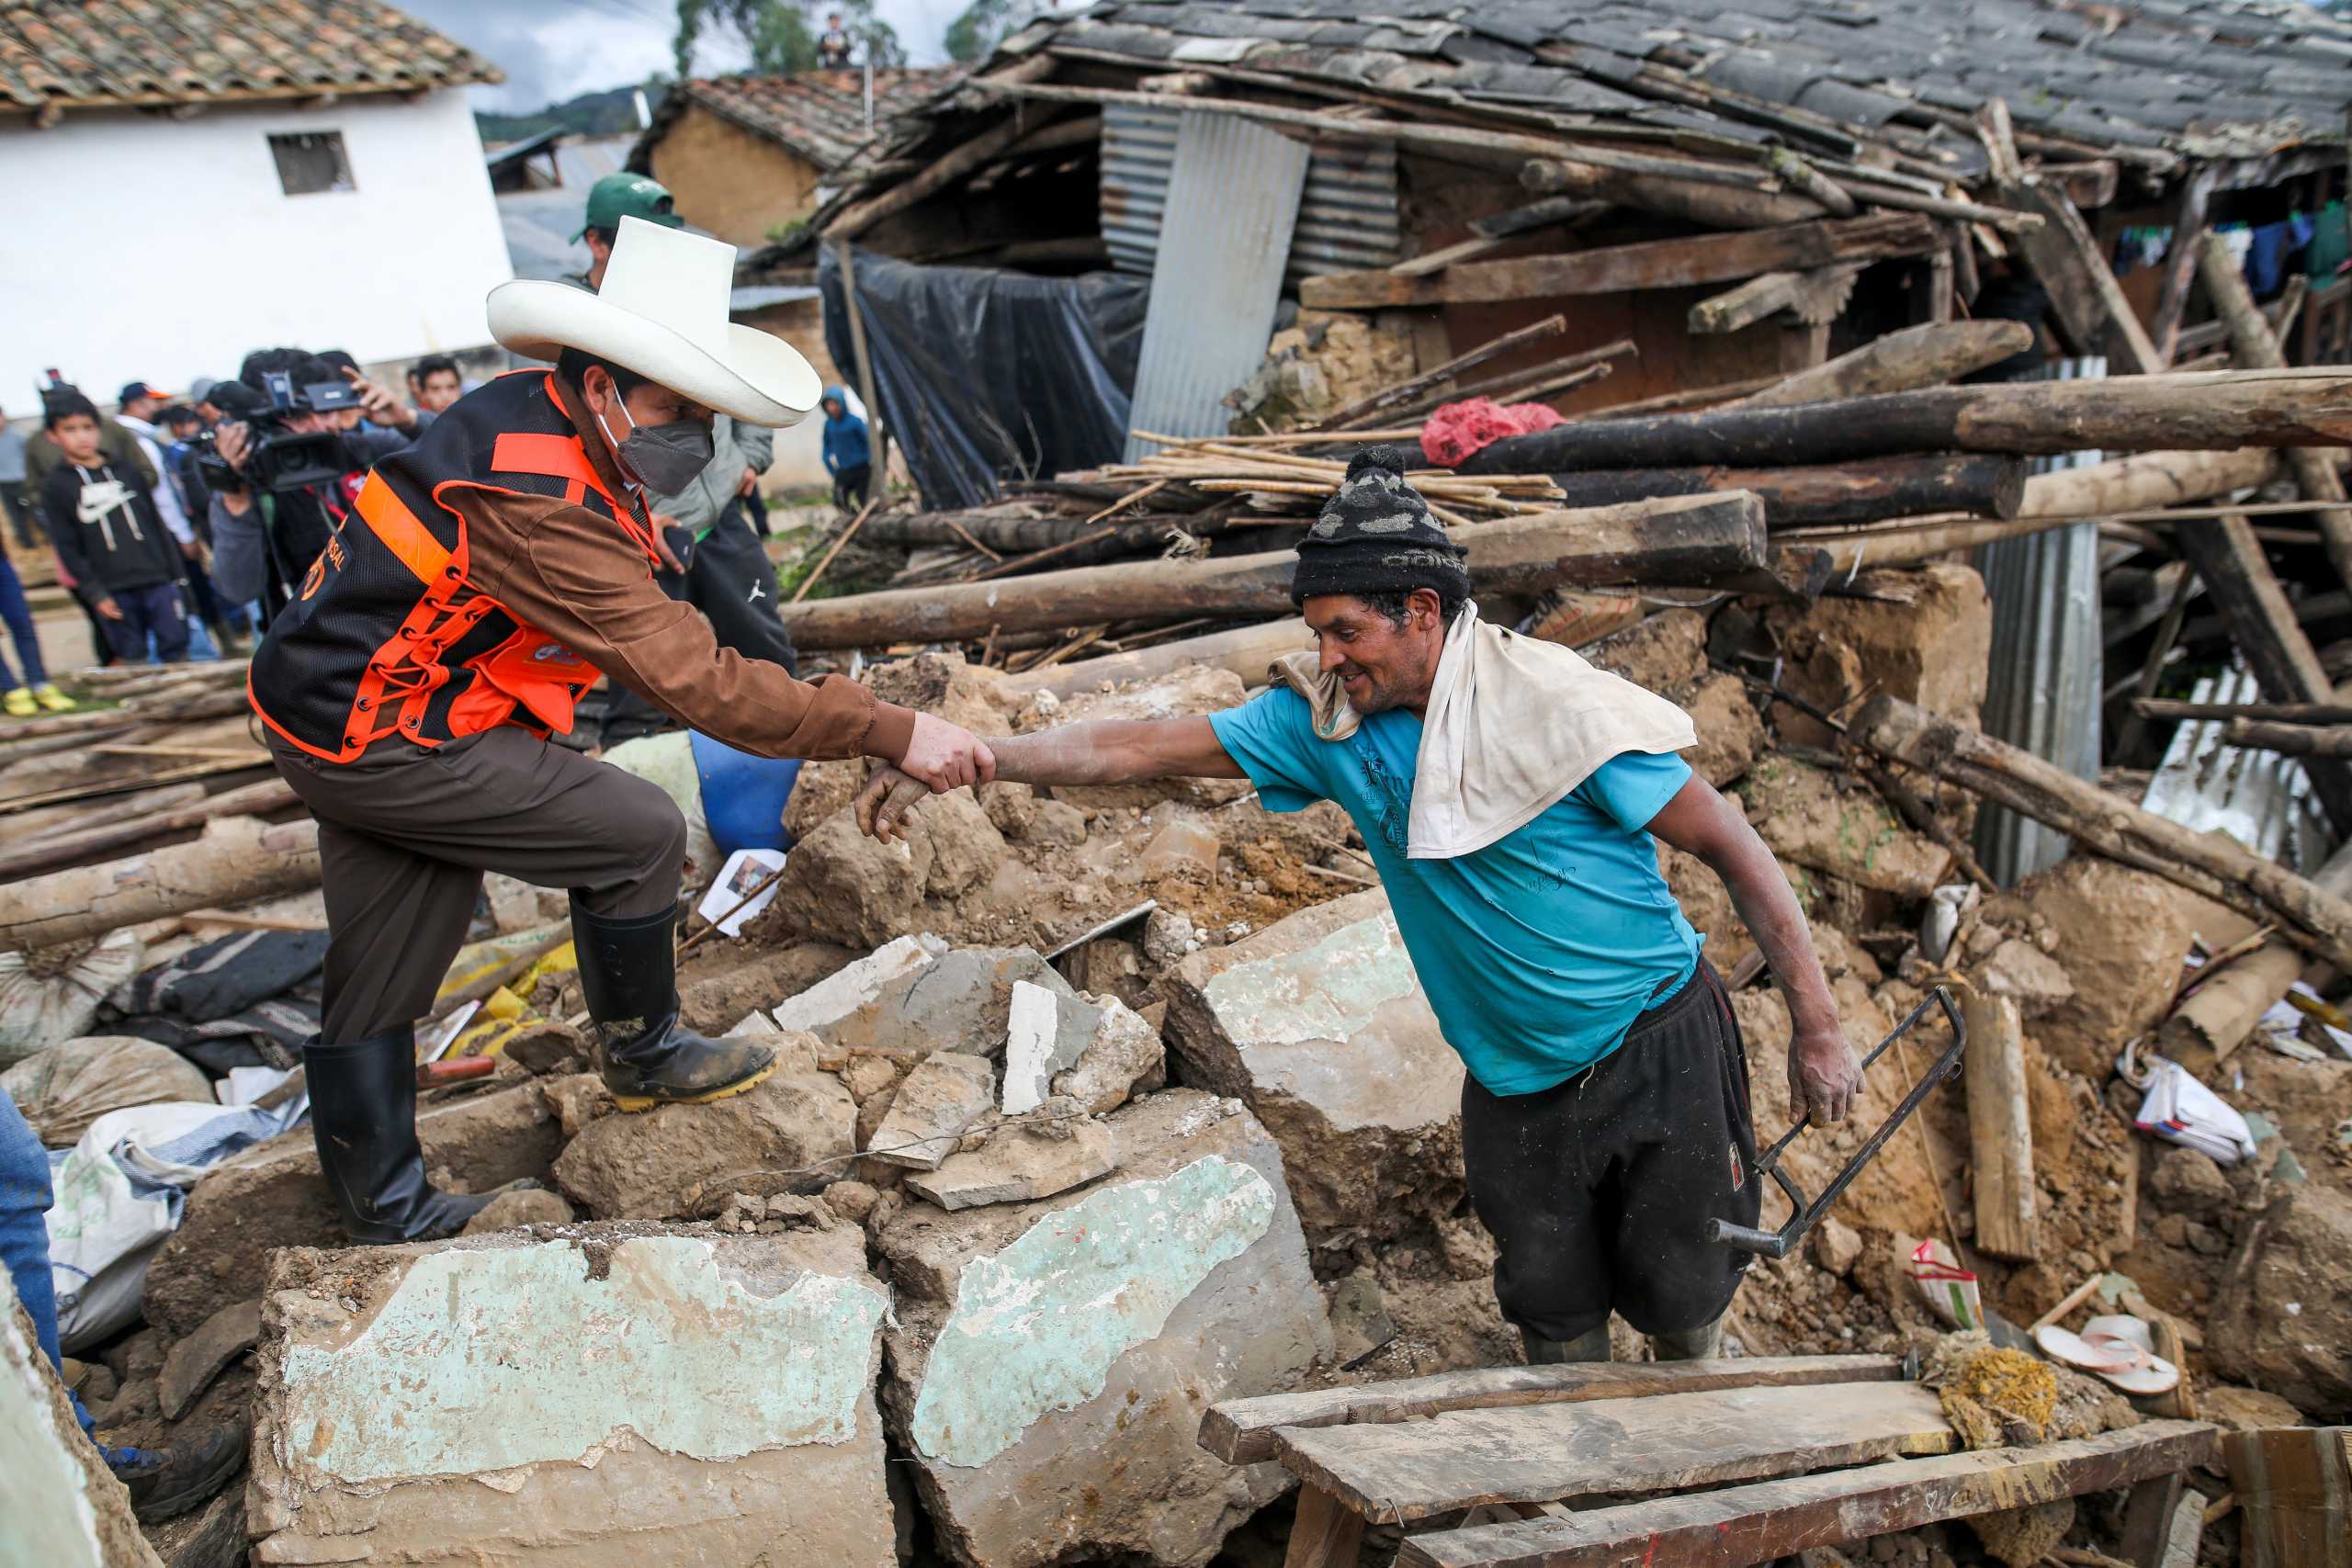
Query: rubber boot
{"x":168,"y":1481}
{"x":1589,"y":1345}
{"x":628,"y":975}
{"x":1704,"y":1343}
{"x":363,"y":1115}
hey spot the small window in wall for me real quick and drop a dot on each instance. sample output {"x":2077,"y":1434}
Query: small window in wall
{"x":311,"y":161}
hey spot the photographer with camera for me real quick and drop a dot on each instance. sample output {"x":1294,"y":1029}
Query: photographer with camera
{"x":275,"y":462}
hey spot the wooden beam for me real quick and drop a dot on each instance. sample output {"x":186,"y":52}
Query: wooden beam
{"x":1924,"y":355}
{"x":236,"y":860}
{"x":2228,"y":559}
{"x":1744,"y":1525}
{"x":1975,"y":484}
{"x":2294,"y":1492}
{"x":2180,"y":262}
{"x":1410,"y":1469}
{"x":2000,"y":1129}
{"x":2222,"y":712}
{"x":1326,"y":1532}
{"x":2253,"y":346}
{"x":1242,"y":1431}
{"x":2263,"y":890}
{"x":2148,"y":1514}
{"x":1654,"y":263}
{"x":1682,"y":540}
{"x":1746,"y":304}
{"x":2290,"y":739}
{"x":1706,"y":202}
{"x":2215,"y":412}
{"x":2082,"y":287}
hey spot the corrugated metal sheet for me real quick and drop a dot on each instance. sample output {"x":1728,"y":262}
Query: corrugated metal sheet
{"x":1232,"y":204}
{"x":2044,"y":685}
{"x":1346,"y":215}
{"x":2260,"y":798}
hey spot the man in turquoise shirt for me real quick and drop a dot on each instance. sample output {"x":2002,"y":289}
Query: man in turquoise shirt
{"x":1509,"y":794}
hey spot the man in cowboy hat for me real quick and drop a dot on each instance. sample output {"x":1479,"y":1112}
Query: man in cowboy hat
{"x":1509,"y":791}
{"x":487,"y":577}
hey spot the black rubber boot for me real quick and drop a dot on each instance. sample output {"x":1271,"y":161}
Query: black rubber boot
{"x":363,"y":1113}
{"x":1588,"y":1346}
{"x":1704,"y":1343}
{"x":628,"y":975}
{"x":168,"y":1481}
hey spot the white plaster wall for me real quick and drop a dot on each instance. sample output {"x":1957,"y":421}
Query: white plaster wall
{"x":142,"y":246}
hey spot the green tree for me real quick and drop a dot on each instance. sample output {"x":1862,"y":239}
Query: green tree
{"x":783,"y":33}
{"x":973,"y":36}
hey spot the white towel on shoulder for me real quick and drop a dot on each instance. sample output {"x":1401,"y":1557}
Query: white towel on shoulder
{"x":1513,"y":724}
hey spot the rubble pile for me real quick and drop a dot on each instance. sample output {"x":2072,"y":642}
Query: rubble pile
{"x":1001,"y":1225}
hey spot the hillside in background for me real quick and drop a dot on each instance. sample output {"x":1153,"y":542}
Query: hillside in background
{"x":591,"y":114}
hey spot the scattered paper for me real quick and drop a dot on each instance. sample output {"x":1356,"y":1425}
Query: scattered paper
{"x":1952,"y":1292}
{"x":2182,"y":1110}
{"x":245,"y":1085}
{"x":744,"y":870}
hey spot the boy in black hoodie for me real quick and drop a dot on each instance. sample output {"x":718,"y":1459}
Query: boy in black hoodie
{"x":110,"y":541}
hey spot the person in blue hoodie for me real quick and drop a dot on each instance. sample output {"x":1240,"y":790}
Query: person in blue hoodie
{"x":849,"y":452}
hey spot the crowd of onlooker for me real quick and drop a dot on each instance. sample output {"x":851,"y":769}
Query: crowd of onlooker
{"x":148,"y":518}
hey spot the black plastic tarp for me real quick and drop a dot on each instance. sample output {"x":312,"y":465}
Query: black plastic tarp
{"x":984,"y":375}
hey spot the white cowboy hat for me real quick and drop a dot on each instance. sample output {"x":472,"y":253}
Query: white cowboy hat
{"x":663,"y":313}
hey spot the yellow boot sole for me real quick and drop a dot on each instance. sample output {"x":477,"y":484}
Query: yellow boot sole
{"x":633,"y":1102}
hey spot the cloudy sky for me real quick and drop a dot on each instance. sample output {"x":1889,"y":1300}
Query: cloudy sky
{"x":552,"y":50}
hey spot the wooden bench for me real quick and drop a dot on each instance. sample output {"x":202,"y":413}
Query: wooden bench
{"x":1514,"y":1444}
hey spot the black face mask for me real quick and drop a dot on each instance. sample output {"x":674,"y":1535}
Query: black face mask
{"x":665,"y":458}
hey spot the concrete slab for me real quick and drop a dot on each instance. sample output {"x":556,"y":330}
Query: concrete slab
{"x":1050,"y":1361}
{"x":585,"y":1401}
{"x":59,"y":1507}
{"x":273,"y":1195}
{"x":1318,"y":1024}
{"x":1019,"y":1164}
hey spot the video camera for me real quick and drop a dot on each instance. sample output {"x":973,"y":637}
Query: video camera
{"x":280,"y":459}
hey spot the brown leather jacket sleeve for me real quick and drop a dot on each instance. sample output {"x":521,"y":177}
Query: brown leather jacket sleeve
{"x":575,"y":576}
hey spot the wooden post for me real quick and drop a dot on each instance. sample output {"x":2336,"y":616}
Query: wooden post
{"x":2253,"y":346}
{"x":2264,"y":890}
{"x":1326,"y":1534}
{"x":2180,"y":262}
{"x":2229,"y":558}
{"x":1804,"y":345}
{"x":864,"y":367}
{"x":2294,"y":1492}
{"x":1931,"y":290}
{"x":2000,"y":1129}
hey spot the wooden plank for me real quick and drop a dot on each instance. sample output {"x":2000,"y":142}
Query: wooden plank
{"x":2147,"y":1520}
{"x":1241,"y":1431}
{"x":1746,"y":1525}
{"x":1747,"y":304}
{"x":1652,"y":264}
{"x":2000,"y":1130}
{"x":1326,"y":1534}
{"x":2181,"y":263}
{"x":2294,"y":1492}
{"x":2082,"y":285}
{"x":1409,"y":1469}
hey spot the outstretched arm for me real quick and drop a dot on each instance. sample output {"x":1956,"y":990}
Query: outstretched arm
{"x":1823,"y":1075}
{"x":1104,"y":751}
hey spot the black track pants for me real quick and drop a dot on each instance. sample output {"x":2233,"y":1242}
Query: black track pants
{"x":1598,"y":1190}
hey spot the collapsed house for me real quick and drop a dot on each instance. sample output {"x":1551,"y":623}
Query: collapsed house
{"x":1112,"y":1181}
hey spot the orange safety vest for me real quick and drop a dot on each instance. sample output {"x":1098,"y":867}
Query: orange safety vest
{"x":388,"y":635}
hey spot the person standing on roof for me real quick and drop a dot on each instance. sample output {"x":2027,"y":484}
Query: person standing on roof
{"x":1509,"y":791}
{"x":487,"y":577}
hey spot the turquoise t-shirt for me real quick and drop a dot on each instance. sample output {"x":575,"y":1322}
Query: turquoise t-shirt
{"x":1537,"y":952}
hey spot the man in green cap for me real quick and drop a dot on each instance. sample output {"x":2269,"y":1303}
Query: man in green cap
{"x":612,"y":198}
{"x":727,"y":575}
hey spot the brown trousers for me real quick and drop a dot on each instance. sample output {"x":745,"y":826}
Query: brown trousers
{"x":405,"y":834}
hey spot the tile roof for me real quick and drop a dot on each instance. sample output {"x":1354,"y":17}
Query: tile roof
{"x":60,"y":54}
{"x":819,"y":114}
{"x":2213,"y":79}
